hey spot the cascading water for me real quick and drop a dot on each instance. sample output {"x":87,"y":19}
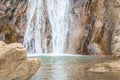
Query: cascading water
{"x":58,"y":11}
{"x":35,"y":39}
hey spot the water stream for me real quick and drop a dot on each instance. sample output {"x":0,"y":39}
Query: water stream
{"x":58,"y":11}
{"x":35,"y":39}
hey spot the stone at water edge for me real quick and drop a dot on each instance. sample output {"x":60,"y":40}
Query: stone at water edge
{"x":14,"y":64}
{"x":113,"y":66}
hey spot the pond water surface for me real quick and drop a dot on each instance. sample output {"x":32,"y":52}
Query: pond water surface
{"x":72,"y":68}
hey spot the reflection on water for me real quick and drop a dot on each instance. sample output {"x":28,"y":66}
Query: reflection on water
{"x":71,"y":68}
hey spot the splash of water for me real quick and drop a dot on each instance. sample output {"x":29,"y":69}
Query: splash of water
{"x":58,"y":11}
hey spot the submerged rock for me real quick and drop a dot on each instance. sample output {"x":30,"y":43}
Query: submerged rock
{"x":14,"y":64}
{"x":113,"y":66}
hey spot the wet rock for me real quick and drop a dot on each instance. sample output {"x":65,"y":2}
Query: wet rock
{"x":14,"y":64}
{"x":99,"y":69}
{"x":113,"y":66}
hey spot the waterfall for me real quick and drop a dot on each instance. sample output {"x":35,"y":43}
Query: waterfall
{"x":58,"y":11}
{"x":35,"y":39}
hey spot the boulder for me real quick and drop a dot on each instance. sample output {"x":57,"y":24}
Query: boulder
{"x":14,"y":64}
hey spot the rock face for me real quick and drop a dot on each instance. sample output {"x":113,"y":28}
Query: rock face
{"x":98,"y":27}
{"x":95,"y":25}
{"x":12,"y":20}
{"x":14,"y":65}
{"x":115,"y":45}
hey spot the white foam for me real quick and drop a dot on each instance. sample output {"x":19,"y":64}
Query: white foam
{"x":36,"y":55}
